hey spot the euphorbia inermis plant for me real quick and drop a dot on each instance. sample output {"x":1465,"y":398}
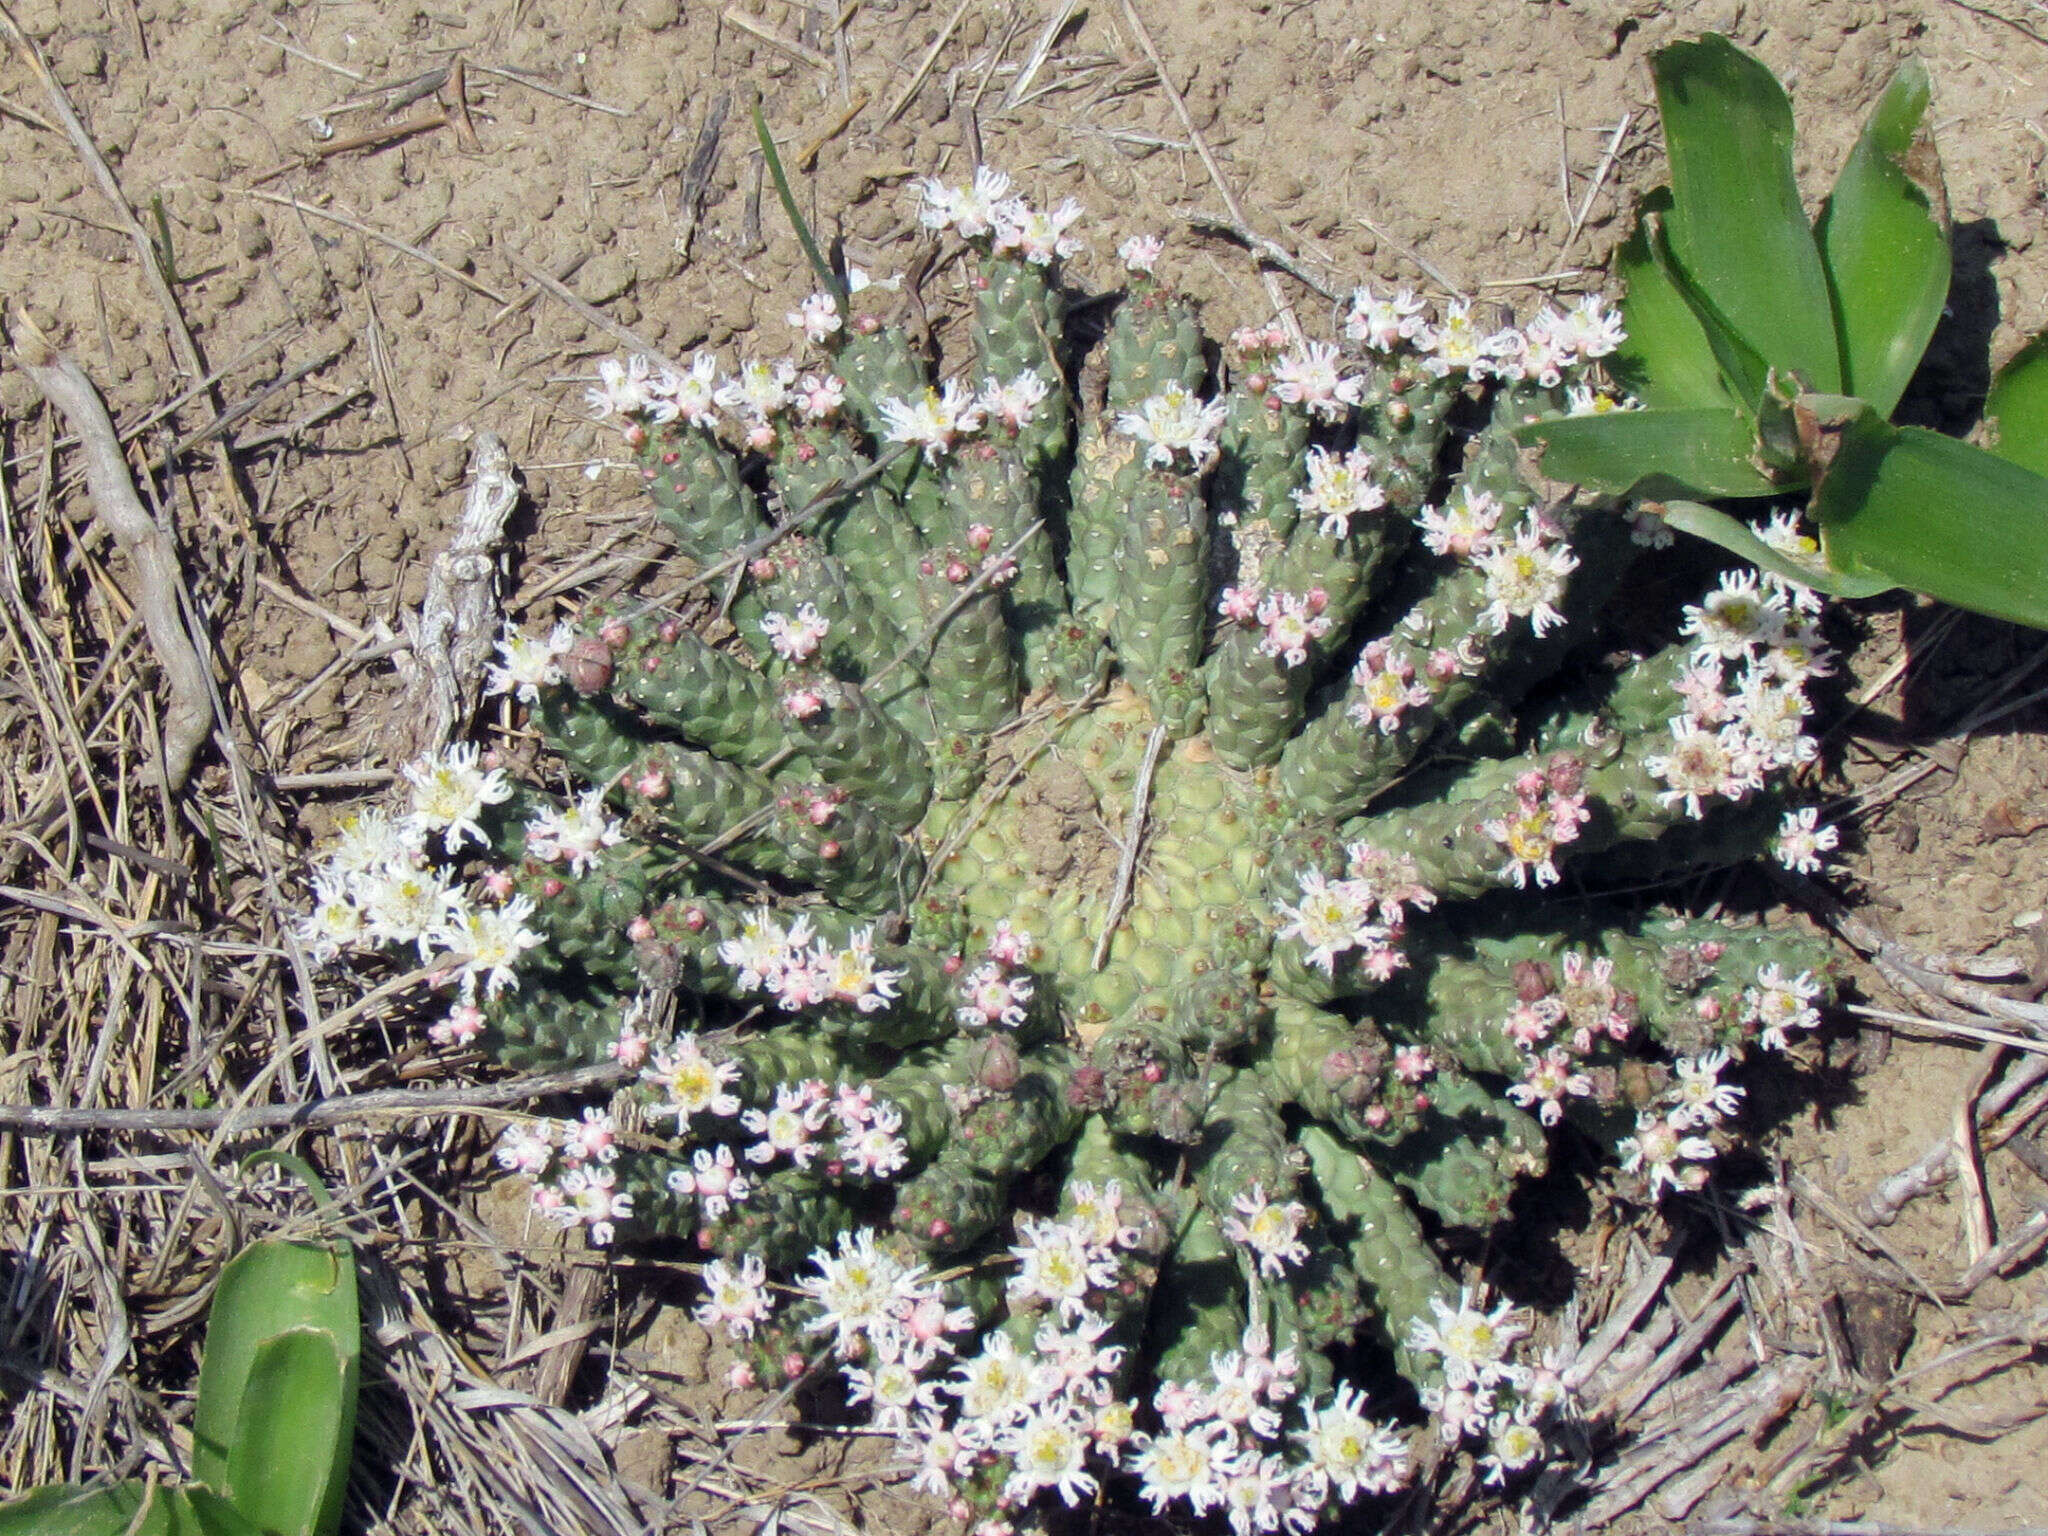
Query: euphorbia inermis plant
{"x":1769,"y":354}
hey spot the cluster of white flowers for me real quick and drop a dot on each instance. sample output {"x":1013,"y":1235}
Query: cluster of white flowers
{"x":575,"y":833}
{"x":1737,"y":726}
{"x":1555,"y":1029}
{"x":1539,"y":352}
{"x":937,"y":420}
{"x":1292,"y":621}
{"x":570,"y":1165}
{"x":1484,"y":1394}
{"x":1670,"y":1148}
{"x":1222,"y":1444}
{"x":642,"y":393}
{"x":985,"y":210}
{"x":1549,"y":809}
{"x":1526,"y":571}
{"x":1366,"y":910}
{"x":800,"y":971}
{"x":377,"y":884}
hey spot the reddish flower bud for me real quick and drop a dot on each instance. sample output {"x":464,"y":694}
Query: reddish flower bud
{"x":695,"y":919}
{"x":939,"y":1229}
{"x":805,"y":453}
{"x":670,"y":631}
{"x":829,"y":849}
{"x":636,"y":436}
{"x":640,"y":930}
{"x":957,"y":571}
{"x":551,"y":887}
{"x":672,"y":457}
{"x":952,"y":965}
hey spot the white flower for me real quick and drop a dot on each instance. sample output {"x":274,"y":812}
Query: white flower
{"x":404,"y":903}
{"x":891,"y":1385}
{"x":817,"y":317}
{"x":1590,"y":329}
{"x":796,"y":638}
{"x":789,"y":1129}
{"x":1271,"y":1230}
{"x":1047,"y":1447}
{"x":1141,"y":252}
{"x":1658,"y":1149}
{"x":1331,"y":917}
{"x":692,"y":396}
{"x":1704,"y":763}
{"x":992,"y":1386}
{"x":1013,"y":404}
{"x":1526,"y":580}
{"x":820,"y":396}
{"x":1057,"y":1264}
{"x":371,"y":839}
{"x":1172,"y":421}
{"x":969,"y":211}
{"x":936,"y":1454}
{"x":527,"y":1149}
{"x":1699,"y":1097}
{"x":1184,"y":1464}
{"x":714,"y":1178}
{"x":335,"y":923}
{"x":1383,"y":324}
{"x":857,"y":1288}
{"x":1455,"y":345}
{"x":1780,"y":1004}
{"x":1293,"y":623}
{"x":1514,"y":1446}
{"x":735,"y":1300}
{"x":993,"y":997}
{"x":1803,"y":843}
{"x":933,"y":421}
{"x":1466,"y":525}
{"x":593,"y":1199}
{"x":1311,"y":380}
{"x":1355,"y":1454}
{"x":578,"y":832}
{"x":691,"y":1083}
{"x":593,"y":1139}
{"x":450,"y":791}
{"x":530,"y":664}
{"x":758,"y":390}
{"x":487,"y":942}
{"x":851,"y":975}
{"x":1736,"y":619}
{"x":1039,"y":237}
{"x":1472,"y":1341}
{"x":621,"y":388}
{"x":1548,"y":1081}
{"x":1339,"y":487}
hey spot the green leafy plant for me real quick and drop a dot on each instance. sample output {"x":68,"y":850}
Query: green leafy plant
{"x":273,"y":1424}
{"x":1769,"y":354}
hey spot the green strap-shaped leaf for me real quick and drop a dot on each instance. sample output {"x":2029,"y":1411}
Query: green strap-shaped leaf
{"x":1884,"y":242}
{"x":1699,"y":451}
{"x":1739,"y":538}
{"x":133,"y":1508}
{"x":270,"y":1292}
{"x":2018,"y":408}
{"x":1933,"y":513}
{"x":1667,"y":359}
{"x":1736,"y":227}
{"x":282,"y":1470}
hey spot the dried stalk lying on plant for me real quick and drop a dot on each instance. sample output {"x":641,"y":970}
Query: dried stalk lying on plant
{"x":1108,"y":885}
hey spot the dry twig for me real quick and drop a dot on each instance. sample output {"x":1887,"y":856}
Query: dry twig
{"x":189,"y":719}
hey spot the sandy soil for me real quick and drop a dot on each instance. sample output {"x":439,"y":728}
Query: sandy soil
{"x":606,"y":145}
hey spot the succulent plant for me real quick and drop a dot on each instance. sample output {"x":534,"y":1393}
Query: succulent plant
{"x":1096,"y":906}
